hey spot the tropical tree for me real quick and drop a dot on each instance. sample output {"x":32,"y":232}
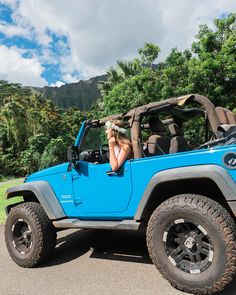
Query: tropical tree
{"x":34,"y":133}
{"x":131,"y":83}
{"x":8,"y":89}
{"x":214,"y":66}
{"x":207,"y":68}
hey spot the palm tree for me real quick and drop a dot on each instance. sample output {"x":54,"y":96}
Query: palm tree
{"x":117,"y":74}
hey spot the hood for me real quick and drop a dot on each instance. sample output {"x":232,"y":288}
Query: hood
{"x":62,"y":168}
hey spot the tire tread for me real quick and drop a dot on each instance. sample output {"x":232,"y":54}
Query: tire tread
{"x":223,"y":221}
{"x":45,"y":233}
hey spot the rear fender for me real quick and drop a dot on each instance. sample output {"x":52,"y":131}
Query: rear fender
{"x":216,"y":173}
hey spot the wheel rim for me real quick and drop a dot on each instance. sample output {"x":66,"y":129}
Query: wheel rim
{"x":22,"y":239}
{"x":188,"y":246}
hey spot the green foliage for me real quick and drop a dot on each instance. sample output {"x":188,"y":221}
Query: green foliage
{"x":54,"y":153}
{"x":175,"y":75}
{"x":118,"y":74}
{"x":34,"y":133}
{"x":148,"y":53}
{"x":207,"y":68}
{"x":8,"y":89}
{"x":131,"y":84}
{"x":30,"y":158}
{"x":214,"y":67}
{"x":132,"y":92}
{"x":71,"y":121}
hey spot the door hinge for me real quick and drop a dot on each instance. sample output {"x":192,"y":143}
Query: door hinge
{"x":74,"y":177}
{"x":78,"y":201}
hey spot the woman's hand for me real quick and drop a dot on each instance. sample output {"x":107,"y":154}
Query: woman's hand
{"x":112,"y":141}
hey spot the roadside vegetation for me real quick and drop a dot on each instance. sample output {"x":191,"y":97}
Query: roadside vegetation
{"x":3,"y":202}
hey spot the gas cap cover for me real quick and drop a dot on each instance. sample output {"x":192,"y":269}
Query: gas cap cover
{"x":230,"y":160}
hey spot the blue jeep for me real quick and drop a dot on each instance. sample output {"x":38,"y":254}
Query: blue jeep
{"x":183,"y":194}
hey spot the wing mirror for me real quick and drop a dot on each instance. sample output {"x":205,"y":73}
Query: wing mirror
{"x":73,"y":155}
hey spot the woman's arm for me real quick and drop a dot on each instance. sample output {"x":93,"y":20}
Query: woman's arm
{"x":116,"y":163}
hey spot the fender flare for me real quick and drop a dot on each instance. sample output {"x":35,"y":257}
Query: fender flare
{"x":43,"y":192}
{"x":214,"y":172}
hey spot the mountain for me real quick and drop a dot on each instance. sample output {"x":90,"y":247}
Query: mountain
{"x":82,"y":94}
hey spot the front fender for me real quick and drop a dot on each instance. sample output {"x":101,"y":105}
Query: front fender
{"x":44,"y":194}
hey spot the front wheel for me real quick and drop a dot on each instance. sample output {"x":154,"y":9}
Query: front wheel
{"x":191,"y":240}
{"x":29,"y":234}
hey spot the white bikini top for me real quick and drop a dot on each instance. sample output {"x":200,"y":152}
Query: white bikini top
{"x":116,"y":150}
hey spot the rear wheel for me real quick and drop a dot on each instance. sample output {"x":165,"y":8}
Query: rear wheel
{"x":191,"y":240}
{"x":30,"y":237}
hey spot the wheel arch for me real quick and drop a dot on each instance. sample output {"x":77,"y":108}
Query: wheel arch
{"x":211,"y":181}
{"x":37,"y":191}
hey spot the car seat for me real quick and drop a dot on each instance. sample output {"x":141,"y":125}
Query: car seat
{"x":178,"y":143}
{"x":158,"y":143}
{"x":226,"y":116}
{"x":227,"y":128}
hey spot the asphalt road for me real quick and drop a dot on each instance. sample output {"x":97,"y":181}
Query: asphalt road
{"x":90,"y":262}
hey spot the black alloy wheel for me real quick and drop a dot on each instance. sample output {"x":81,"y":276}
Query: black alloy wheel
{"x":188,"y":246}
{"x":29,"y":234}
{"x":191,"y":240}
{"x":22,"y":238}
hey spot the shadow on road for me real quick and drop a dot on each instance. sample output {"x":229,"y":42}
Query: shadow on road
{"x":129,"y":246}
{"x":230,"y":289}
{"x":114,"y":245}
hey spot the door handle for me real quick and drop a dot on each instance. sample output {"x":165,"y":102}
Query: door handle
{"x":115,"y":173}
{"x":111,"y":173}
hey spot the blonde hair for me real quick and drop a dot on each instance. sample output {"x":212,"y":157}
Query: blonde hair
{"x":120,"y":138}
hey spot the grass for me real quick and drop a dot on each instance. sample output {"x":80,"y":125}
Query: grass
{"x":6,"y":178}
{"x":3,"y":201}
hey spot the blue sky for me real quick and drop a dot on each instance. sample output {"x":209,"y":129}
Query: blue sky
{"x":56,"y":42}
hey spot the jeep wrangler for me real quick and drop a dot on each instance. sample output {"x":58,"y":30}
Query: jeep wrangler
{"x":183,"y":194}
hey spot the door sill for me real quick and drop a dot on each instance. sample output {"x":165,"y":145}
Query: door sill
{"x":94,"y":224}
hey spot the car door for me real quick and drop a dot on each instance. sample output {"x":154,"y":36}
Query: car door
{"x":98,"y":193}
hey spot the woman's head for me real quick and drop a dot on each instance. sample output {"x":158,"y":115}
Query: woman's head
{"x":115,"y":128}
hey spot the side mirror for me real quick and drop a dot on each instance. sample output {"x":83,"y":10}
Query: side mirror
{"x":73,"y":154}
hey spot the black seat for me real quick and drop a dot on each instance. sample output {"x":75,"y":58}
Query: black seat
{"x":228,"y":122}
{"x":178,"y":143}
{"x":158,"y":143}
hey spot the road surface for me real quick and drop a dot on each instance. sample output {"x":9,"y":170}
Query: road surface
{"x":90,"y":262}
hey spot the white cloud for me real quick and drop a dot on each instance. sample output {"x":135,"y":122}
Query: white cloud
{"x":68,"y":78}
{"x":13,"y":30}
{"x":15,"y":68}
{"x":11,"y":3}
{"x":100,"y":32}
{"x":182,"y":20}
{"x":57,"y":84}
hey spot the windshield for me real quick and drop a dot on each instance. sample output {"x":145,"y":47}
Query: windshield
{"x":95,"y":137}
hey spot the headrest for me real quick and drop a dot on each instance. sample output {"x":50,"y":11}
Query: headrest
{"x":156,"y":125}
{"x":226,"y":116}
{"x":175,"y":130}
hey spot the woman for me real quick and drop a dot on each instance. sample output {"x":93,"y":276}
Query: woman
{"x":119,"y":146}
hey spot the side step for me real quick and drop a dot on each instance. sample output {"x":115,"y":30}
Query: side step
{"x":76,"y":223}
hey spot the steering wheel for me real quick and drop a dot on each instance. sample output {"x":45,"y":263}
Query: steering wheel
{"x":104,"y":153}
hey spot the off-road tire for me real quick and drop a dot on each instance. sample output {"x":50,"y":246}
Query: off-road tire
{"x":218,"y":226}
{"x":41,"y":234}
